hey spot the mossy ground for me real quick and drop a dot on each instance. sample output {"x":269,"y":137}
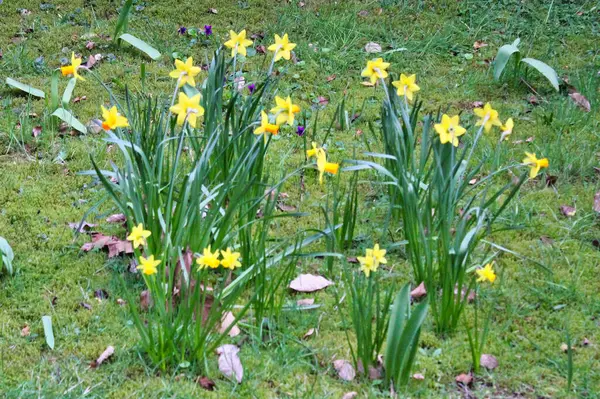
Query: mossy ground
{"x":41,"y":192}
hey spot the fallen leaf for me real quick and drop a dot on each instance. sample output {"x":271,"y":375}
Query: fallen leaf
{"x":261,"y":49}
{"x":580,"y":100}
{"x":206,"y":383}
{"x":373,"y":47}
{"x":114,"y":245}
{"x":529,"y":139}
{"x":464,"y":379}
{"x":596,"y":206}
{"x":331,"y":77}
{"x":418,"y":292}
{"x":94,"y":126}
{"x":285,"y":208}
{"x":213,"y":11}
{"x":418,"y":376}
{"x":90,"y":45}
{"x":305,"y":302}
{"x":350,"y":395}
{"x":309,"y":333}
{"x":375,"y":373}
{"x":344,"y":369}
{"x":585,"y":342}
{"x":368,"y":84}
{"x":84,"y":227}
{"x":567,"y":211}
{"x":116,"y":218}
{"x":564,"y":347}
{"x":101,"y":294}
{"x":86,"y":306}
{"x":226,"y":321}
{"x":546,"y":240}
{"x":25,"y":331}
{"x":121,"y":302}
{"x":473,"y":181}
{"x":108,"y":352}
{"x":322,"y":101}
{"x":309,"y":283}
{"x":229,"y":362}
{"x":36,"y":131}
{"x":145,"y":300}
{"x":477,"y":104}
{"x":363,"y":13}
{"x":488,"y":361}
{"x":479,"y":44}
{"x":551,"y":180}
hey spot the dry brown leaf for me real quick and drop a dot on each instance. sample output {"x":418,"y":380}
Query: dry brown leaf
{"x":373,"y":47}
{"x":309,"y":333}
{"x":488,"y":361}
{"x":145,"y":300}
{"x":116,"y":218}
{"x":418,"y":376}
{"x":585,"y":342}
{"x":121,"y":302}
{"x":36,"y":131}
{"x":331,"y":77}
{"x":305,"y":302}
{"x":84,"y":228}
{"x":344,"y":369}
{"x":226,"y":321}
{"x":25,"y":331}
{"x":108,"y":352}
{"x":479,"y":44}
{"x":546,"y":240}
{"x":418,"y":292}
{"x":206,"y":383}
{"x":286,"y":208}
{"x":375,"y":373}
{"x":596,"y":206}
{"x":567,"y":211}
{"x":564,"y":347}
{"x":309,"y":283}
{"x":580,"y":100}
{"x":363,"y":13}
{"x":229,"y":362}
{"x":464,"y":379}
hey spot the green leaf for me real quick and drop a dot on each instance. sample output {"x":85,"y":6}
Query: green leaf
{"x":141,"y":45}
{"x":502,"y":58}
{"x":54,"y":90}
{"x":121,"y":25}
{"x":67,"y":117}
{"x":7,"y":255}
{"x":26,"y":88}
{"x":544,"y":69}
{"x":66,"y":98}
{"x":48,"y":333}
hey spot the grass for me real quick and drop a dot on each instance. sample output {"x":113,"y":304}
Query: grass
{"x":548,"y":290}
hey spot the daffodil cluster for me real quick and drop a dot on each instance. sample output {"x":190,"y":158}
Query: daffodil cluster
{"x":138,"y":237}
{"x":372,"y":259}
{"x":209,"y":259}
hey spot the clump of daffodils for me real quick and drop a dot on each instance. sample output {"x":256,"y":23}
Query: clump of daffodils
{"x":372,"y":259}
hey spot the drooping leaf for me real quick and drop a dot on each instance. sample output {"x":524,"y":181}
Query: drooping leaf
{"x":544,"y":69}
{"x":70,"y":120}
{"x":66,"y":98}
{"x":48,"y":332}
{"x":25,"y":88}
{"x":141,"y":45}
{"x":344,"y":369}
{"x":7,"y":255}
{"x":121,"y":25}
{"x":504,"y":54}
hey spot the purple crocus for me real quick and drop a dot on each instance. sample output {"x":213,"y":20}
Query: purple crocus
{"x":300,"y":130}
{"x":207,"y":30}
{"x":251,"y":88}
{"x":182,"y":30}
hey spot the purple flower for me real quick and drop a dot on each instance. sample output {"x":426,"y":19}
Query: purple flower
{"x":300,"y":130}
{"x":251,"y":88}
{"x":207,"y":30}
{"x":182,"y":30}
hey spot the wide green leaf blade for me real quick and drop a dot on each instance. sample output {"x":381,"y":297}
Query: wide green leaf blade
{"x":544,"y":69}
{"x":502,"y":58}
{"x":66,"y":98}
{"x":67,"y":117}
{"x":26,"y":88}
{"x":7,"y":255}
{"x":48,"y":332}
{"x":141,"y":45}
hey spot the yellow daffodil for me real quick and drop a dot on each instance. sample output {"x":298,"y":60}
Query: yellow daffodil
{"x":406,"y":86}
{"x":486,"y":273}
{"x":312,"y":152}
{"x":378,"y":254}
{"x":324,"y":166}
{"x":138,"y":235}
{"x":208,"y":259}
{"x":372,"y":259}
{"x":148,"y":266}
{"x":188,"y":107}
{"x":284,"y":110}
{"x":507,"y":129}
{"x":185,"y":72}
{"x":535,"y":164}
{"x":265,"y":127}
{"x":112,"y":119}
{"x":72,"y":69}
{"x":375,"y":69}
{"x":449,"y":129}
{"x":489,"y":117}
{"x":230,"y":259}
{"x":282,"y":47}
{"x":237,"y":43}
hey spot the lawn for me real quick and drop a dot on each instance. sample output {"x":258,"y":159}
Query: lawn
{"x":544,"y":306}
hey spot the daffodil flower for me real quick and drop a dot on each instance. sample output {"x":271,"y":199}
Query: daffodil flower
{"x":375,"y":69}
{"x":406,"y":86}
{"x":148,"y":266}
{"x":372,"y":259}
{"x":282,"y":47}
{"x":488,"y":117}
{"x":324,"y":166}
{"x":189,"y":108}
{"x":265,"y":127}
{"x":230,"y":260}
{"x":112,"y":119}
{"x":284,"y":110}
{"x":185,"y":72}
{"x":237,"y":43}
{"x":379,"y":254}
{"x":535,"y":164}
{"x":312,"y":152}
{"x":138,"y":235}
{"x":208,"y":259}
{"x":449,"y":129}
{"x":486,"y":273}
{"x":72,"y":69}
{"x":507,"y":129}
